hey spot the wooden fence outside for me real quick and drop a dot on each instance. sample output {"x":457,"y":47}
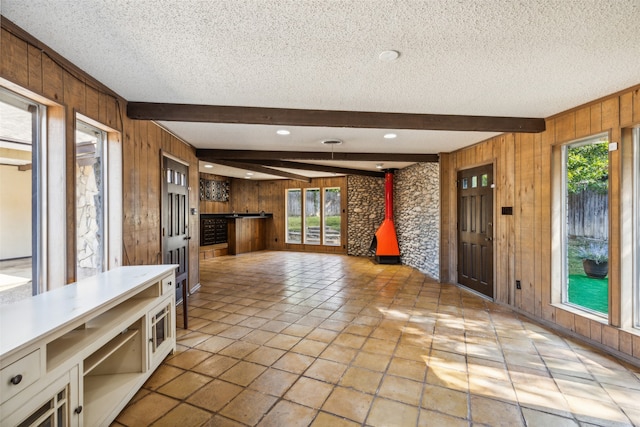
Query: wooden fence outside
{"x":588,"y":215}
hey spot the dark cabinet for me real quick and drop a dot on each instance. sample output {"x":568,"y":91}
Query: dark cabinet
{"x":213,"y":231}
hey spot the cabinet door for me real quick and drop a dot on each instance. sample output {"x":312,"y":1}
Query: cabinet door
{"x":162,"y":331}
{"x":58,"y":405}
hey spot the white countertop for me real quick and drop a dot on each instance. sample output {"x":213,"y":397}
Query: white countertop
{"x":24,"y":322}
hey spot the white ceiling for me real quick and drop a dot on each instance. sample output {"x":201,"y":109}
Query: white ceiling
{"x":530,"y":58}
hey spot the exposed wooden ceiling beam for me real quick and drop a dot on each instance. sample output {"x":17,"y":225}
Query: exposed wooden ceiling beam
{"x":313,"y":167}
{"x":212,"y":155}
{"x":262,"y":169}
{"x":329,"y":118}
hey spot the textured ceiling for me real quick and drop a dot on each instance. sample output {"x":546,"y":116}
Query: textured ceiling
{"x":485,"y":57}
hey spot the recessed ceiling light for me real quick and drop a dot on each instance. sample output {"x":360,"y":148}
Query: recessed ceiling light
{"x":208,"y":166}
{"x":282,"y":132}
{"x":379,"y":165}
{"x":249,"y":173}
{"x":390,"y":135}
{"x":389,"y":55}
{"x":247,"y":177}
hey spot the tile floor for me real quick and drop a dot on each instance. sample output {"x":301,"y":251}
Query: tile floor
{"x":15,"y":280}
{"x":294,"y":339}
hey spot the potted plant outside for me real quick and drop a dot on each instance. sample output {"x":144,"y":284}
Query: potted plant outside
{"x":595,"y":259}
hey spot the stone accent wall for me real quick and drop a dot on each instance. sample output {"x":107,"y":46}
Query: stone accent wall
{"x":417,"y":216}
{"x":89,"y":209}
{"x":365,"y":210}
{"x":416,"y":203}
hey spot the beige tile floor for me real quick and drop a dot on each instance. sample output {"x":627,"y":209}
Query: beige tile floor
{"x":294,"y":339}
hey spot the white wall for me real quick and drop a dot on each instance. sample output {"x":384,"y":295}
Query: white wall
{"x":15,"y":213}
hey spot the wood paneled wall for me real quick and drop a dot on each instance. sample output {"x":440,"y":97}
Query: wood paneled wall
{"x":524,"y":179}
{"x":36,"y":71}
{"x":210,"y":206}
{"x":269,"y":196}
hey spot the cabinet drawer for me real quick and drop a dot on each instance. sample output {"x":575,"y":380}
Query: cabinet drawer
{"x":168,"y":284}
{"x":19,"y":375}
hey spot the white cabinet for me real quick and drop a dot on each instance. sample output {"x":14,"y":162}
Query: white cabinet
{"x":76,"y":355}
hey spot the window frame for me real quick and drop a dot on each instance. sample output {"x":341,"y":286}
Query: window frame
{"x":286,"y":216}
{"x":324,"y":216}
{"x":38,"y":185}
{"x":101,"y":134}
{"x":563,"y":231}
{"x":113,"y":194}
{"x":304,"y":217}
{"x":636,"y":227}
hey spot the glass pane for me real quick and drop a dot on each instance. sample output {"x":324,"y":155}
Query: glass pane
{"x":465,"y":183}
{"x":474,"y":181}
{"x":89,"y":200}
{"x":332,"y":216}
{"x":18,"y":198}
{"x":587,"y":205}
{"x":169,"y":176}
{"x":312,"y":216}
{"x":294,"y":216}
{"x":485,"y":180}
{"x":38,"y":415}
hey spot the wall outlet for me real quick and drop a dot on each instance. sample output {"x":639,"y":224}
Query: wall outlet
{"x":518,"y":285}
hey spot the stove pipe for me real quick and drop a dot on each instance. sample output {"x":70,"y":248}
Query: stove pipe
{"x":385,"y":241}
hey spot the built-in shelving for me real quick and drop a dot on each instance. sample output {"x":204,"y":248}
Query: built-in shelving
{"x":88,"y":342}
{"x":78,"y":341}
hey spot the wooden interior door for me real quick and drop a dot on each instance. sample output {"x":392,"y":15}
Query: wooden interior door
{"x":175,"y":221}
{"x":475,"y":229}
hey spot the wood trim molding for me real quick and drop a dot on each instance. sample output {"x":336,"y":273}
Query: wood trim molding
{"x":329,"y":118}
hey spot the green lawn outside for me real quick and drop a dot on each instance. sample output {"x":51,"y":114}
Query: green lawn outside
{"x":589,"y":292}
{"x":295,"y":222}
{"x":585,"y":291}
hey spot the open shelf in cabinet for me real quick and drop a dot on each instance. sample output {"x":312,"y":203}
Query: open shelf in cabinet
{"x":87,"y":336}
{"x":100,"y":393}
{"x":102,"y":355}
{"x":113,"y":370}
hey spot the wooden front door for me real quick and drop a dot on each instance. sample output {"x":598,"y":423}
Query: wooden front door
{"x":175,"y":220}
{"x":475,"y":229}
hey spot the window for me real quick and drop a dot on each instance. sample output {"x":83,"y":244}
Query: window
{"x":312,"y":216}
{"x":294,"y":216}
{"x":90,"y":200}
{"x":22,"y":225}
{"x":332,"y":218}
{"x":585,"y":225}
{"x":636,"y":225}
{"x":322,"y":219}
